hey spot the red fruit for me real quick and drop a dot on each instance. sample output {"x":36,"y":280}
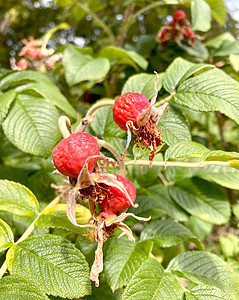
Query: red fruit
{"x":179,"y":15}
{"x":70,"y":154}
{"x":128,"y":107}
{"x":189,"y":33}
{"x":118,"y":200}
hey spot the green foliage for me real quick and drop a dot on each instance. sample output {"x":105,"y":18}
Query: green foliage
{"x":14,"y":287}
{"x":201,"y":15}
{"x":47,"y":260}
{"x":150,"y":282}
{"x":188,"y":191}
{"x":167,"y":233}
{"x":79,"y":67}
{"x":17,"y":199}
{"x":206,"y":268}
{"x":6,"y":236}
{"x":123,"y":259}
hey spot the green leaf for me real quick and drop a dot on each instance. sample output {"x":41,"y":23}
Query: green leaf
{"x":79,"y":67}
{"x":53,"y":263}
{"x":55,"y":217}
{"x":148,"y":207}
{"x":176,"y":127}
{"x":167,"y":233}
{"x":105,"y":128}
{"x":121,"y":55}
{"x":218,"y":8}
{"x":162,"y":200}
{"x":50,"y":92}
{"x":199,"y":227}
{"x":6,"y":100}
{"x":206,"y":268}
{"x":205,"y":292}
{"x":138,"y":59}
{"x":143,"y":84}
{"x":220,"y":155}
{"x":6,"y":236}
{"x":195,"y":197}
{"x":199,"y":51}
{"x":195,"y":69}
{"x":234,"y":61}
{"x":32,"y":125}
{"x":123,"y":259}
{"x":150,"y":282}
{"x":224,"y":44}
{"x":184,"y":150}
{"x":64,"y":3}
{"x":201,"y":15}
{"x":175,"y":73}
{"x":20,"y":288}
{"x":17,"y":199}
{"x":225,"y":176}
{"x":18,"y":78}
{"x":229,"y":245}
{"x":210,"y":92}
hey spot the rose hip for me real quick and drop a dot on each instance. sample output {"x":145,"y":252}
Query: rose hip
{"x":70,"y":154}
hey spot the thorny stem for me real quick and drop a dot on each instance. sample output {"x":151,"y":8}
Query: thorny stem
{"x":99,"y":21}
{"x":178,"y":164}
{"x":116,"y":154}
{"x":167,"y":99}
{"x":28,"y":231}
{"x":92,"y":113}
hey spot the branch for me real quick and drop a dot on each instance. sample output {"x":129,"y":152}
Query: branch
{"x":167,"y":99}
{"x":116,"y":154}
{"x":99,"y":21}
{"x":178,"y":164}
{"x":91,"y":114}
{"x":28,"y":231}
{"x":152,"y":5}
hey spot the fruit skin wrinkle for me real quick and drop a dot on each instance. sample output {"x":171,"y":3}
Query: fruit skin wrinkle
{"x":70,"y":154}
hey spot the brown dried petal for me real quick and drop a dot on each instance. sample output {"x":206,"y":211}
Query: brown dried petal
{"x":97,"y":266}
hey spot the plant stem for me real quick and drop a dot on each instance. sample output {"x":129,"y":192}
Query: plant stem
{"x":167,"y":99}
{"x":27,"y":232}
{"x":116,"y":154}
{"x":91,"y":114}
{"x":152,"y":5}
{"x":178,"y":164}
{"x":107,"y":30}
{"x":123,"y":28}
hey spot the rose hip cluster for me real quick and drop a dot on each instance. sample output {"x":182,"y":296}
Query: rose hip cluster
{"x":109,"y":195}
{"x":177,"y":30}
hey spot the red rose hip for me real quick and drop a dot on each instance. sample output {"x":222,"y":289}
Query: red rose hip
{"x":118,"y":200}
{"x":70,"y":154}
{"x":179,"y":15}
{"x":128,"y":107}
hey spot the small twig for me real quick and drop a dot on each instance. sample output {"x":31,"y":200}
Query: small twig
{"x":116,"y":154}
{"x":65,"y":126}
{"x":178,"y":164}
{"x":92,"y":113}
{"x":167,"y":99}
{"x":98,"y":20}
{"x":122,"y":31}
{"x":27,"y":232}
{"x":150,"y":6}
